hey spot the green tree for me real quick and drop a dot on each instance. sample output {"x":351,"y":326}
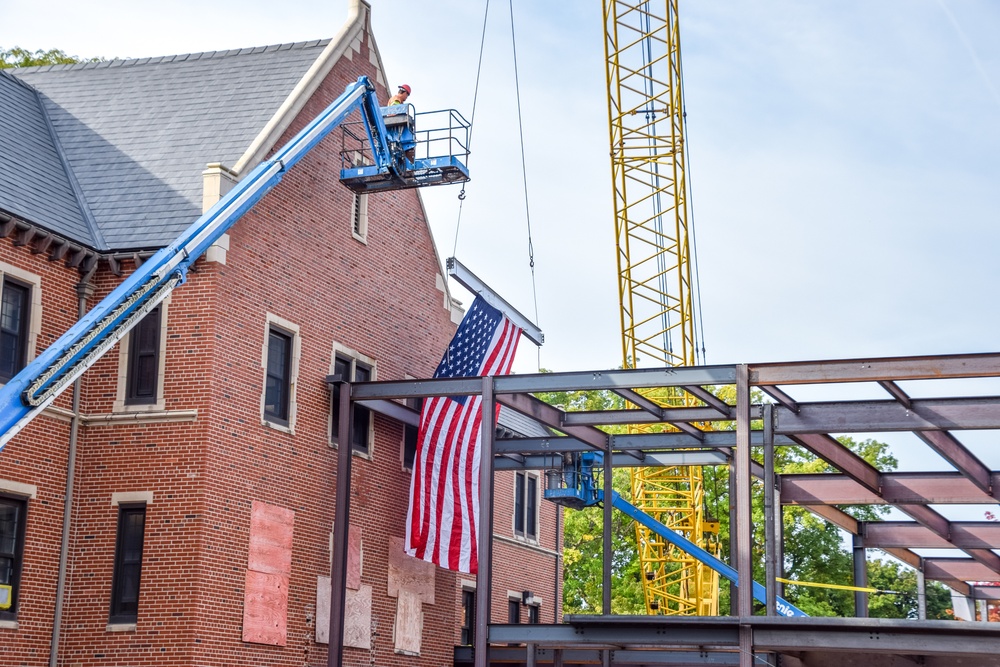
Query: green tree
{"x":18,"y":57}
{"x":898,"y":593}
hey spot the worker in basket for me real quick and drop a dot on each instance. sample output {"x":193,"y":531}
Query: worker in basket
{"x":403,"y":133}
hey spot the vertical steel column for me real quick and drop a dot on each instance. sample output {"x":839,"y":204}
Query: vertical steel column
{"x":743,"y":514}
{"x":608,"y":491}
{"x":557,"y":657}
{"x":341,"y":527}
{"x":531,"y":659}
{"x":770,"y":550}
{"x":921,"y":593}
{"x":734,"y":550}
{"x":778,"y":539}
{"x":485,"y":538}
{"x":860,"y":577}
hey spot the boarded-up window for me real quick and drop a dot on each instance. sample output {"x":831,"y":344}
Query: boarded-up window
{"x":269,"y":564}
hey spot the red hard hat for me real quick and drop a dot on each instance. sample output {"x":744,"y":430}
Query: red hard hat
{"x":406,"y":88}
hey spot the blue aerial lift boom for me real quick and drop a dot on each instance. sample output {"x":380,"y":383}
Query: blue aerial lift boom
{"x":579,"y":489}
{"x":390,"y":162}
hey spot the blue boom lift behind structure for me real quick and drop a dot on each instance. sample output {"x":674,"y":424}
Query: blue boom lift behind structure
{"x":579,"y":489}
{"x":388,"y":156}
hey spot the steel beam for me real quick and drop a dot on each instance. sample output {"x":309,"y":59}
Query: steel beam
{"x":341,"y":529}
{"x":710,"y":399}
{"x":918,"y":488}
{"x":937,"y":414}
{"x":744,"y":498}
{"x":621,"y":460}
{"x":394,"y":410}
{"x":962,"y":569}
{"x":516,"y":655}
{"x":871,"y":637}
{"x":955,"y":453}
{"x":781,"y":397}
{"x":553,"y":417}
{"x":471,"y":281}
{"x":484,"y":538}
{"x":671,"y":415}
{"x":770,"y":536}
{"x":912,"y":535}
{"x":840,"y":457}
{"x":873,"y":370}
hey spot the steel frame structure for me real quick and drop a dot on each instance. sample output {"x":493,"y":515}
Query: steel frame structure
{"x":745,"y":639}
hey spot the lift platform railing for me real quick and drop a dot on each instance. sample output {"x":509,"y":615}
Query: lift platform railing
{"x":431,"y":148}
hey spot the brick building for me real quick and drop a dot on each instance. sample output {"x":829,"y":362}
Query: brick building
{"x":177,"y":509}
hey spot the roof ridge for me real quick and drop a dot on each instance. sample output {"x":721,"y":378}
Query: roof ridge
{"x":5,"y":72}
{"x":181,"y":57}
{"x":88,"y":216}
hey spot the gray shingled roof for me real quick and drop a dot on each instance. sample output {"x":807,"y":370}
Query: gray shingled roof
{"x":34,"y":184}
{"x":138,"y":133}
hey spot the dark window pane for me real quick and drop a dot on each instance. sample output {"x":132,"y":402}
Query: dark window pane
{"x":513,"y":611}
{"x":143,"y":360}
{"x":13,"y":329}
{"x":12,"y":512}
{"x":519,"y":503}
{"x":362,"y":415}
{"x":468,"y":618}
{"x":341,"y":367}
{"x":128,"y":564}
{"x":533,"y":614}
{"x":410,"y":434}
{"x":277,"y":386}
{"x":531,"y":510}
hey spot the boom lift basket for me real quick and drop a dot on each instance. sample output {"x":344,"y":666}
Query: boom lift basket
{"x":429,"y":148}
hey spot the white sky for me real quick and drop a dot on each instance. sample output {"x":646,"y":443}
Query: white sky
{"x":844,"y":157}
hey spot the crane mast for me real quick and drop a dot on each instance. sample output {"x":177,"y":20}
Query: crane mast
{"x":646,"y":121}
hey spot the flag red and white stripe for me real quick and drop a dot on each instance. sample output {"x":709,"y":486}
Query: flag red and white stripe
{"x":442,"y":519}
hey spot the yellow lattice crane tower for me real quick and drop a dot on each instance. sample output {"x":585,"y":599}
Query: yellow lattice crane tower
{"x":646,"y":114}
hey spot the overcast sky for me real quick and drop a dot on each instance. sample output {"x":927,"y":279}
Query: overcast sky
{"x":844,"y":157}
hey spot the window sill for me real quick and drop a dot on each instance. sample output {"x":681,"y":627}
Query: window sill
{"x":147,"y":416}
{"x":284,"y":428}
{"x":8,"y":625}
{"x":121,"y":627}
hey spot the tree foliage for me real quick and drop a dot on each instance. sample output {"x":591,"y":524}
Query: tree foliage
{"x":18,"y":57}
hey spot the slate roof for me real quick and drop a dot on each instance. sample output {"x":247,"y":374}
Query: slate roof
{"x":34,"y":182}
{"x":136,"y":135}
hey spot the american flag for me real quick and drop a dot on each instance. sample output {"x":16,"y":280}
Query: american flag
{"x":443,"y":516}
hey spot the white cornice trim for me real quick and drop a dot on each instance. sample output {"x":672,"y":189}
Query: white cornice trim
{"x":357,"y":19}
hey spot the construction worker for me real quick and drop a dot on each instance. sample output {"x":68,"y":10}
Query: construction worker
{"x":401,"y":96}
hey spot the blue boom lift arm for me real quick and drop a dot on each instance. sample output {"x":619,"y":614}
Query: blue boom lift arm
{"x":581,"y":490}
{"x":41,"y":381}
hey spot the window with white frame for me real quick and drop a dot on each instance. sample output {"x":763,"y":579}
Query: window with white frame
{"x":352,"y":367}
{"x":142,"y":362}
{"x":20,"y":318}
{"x":12,"y":520}
{"x":359,"y":209}
{"x":526,"y":505}
{"x":280,"y":361}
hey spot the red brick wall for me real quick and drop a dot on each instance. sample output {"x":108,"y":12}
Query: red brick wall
{"x":37,"y":456}
{"x":293,"y":256}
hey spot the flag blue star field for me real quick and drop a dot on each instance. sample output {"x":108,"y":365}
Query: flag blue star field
{"x":443,"y":516}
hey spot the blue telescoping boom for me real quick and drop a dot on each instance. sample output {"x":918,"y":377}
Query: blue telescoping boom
{"x":392,"y":165}
{"x":581,"y":491}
